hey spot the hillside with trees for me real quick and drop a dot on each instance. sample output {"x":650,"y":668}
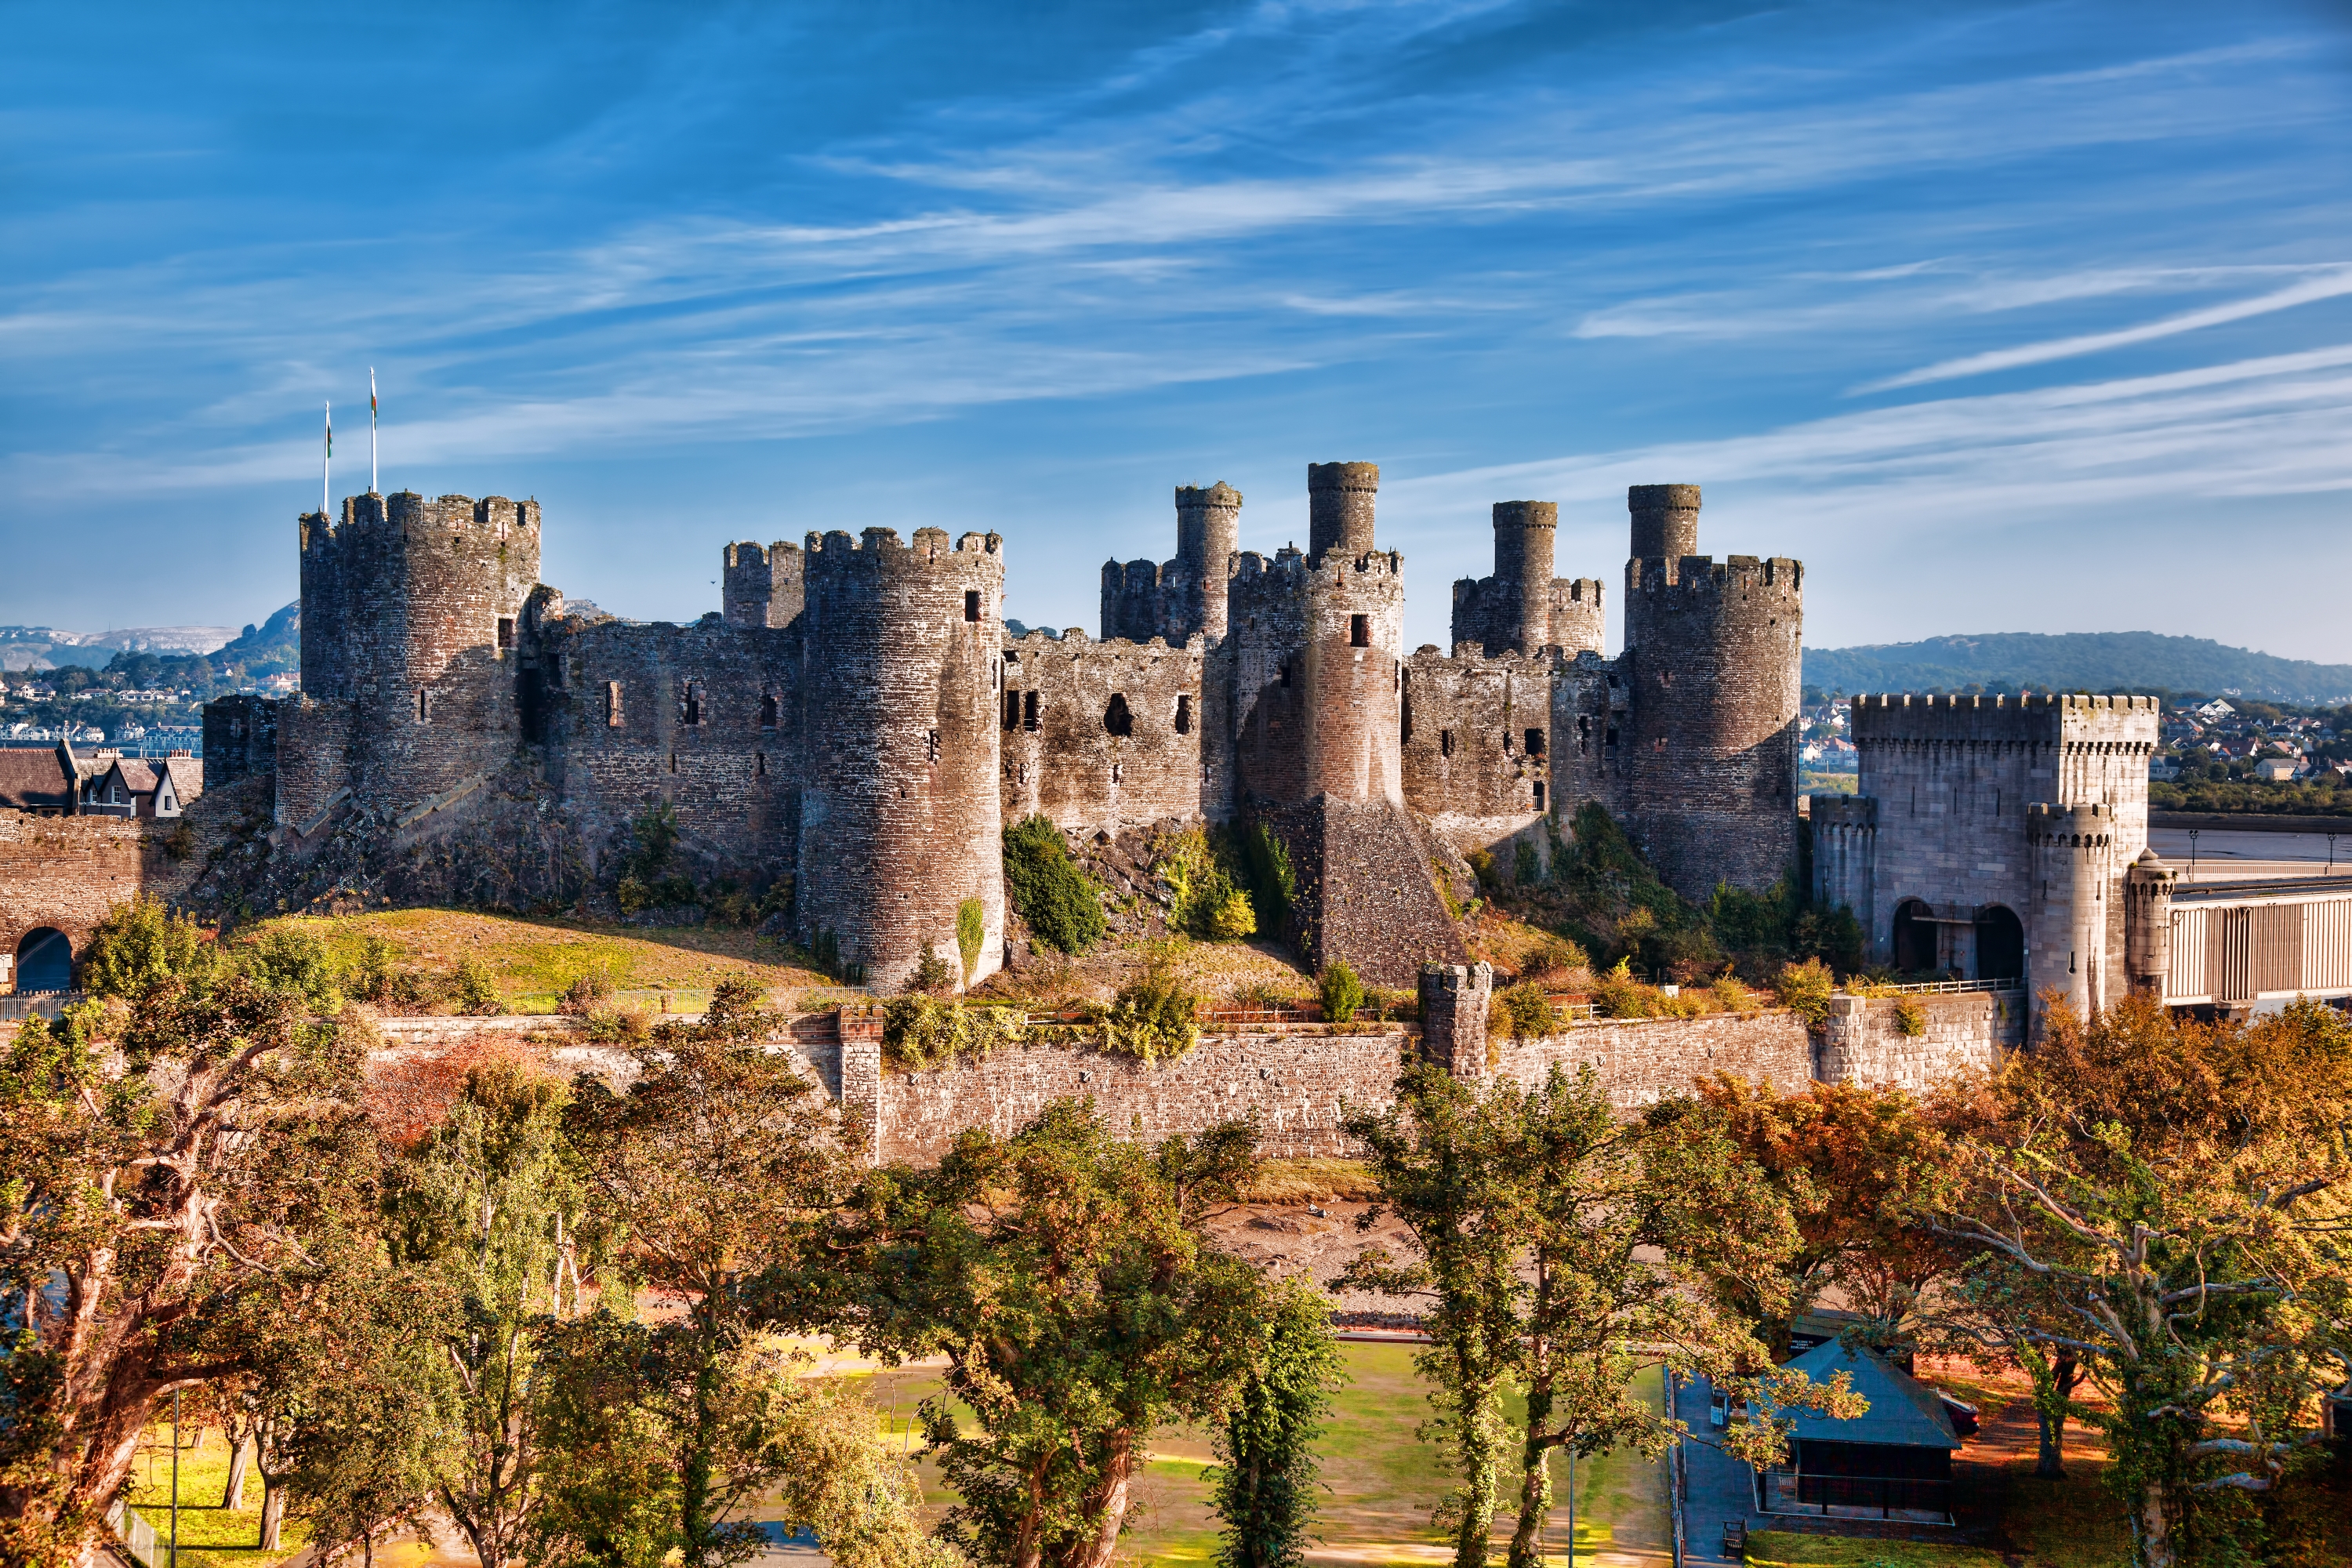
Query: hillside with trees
{"x":2076,"y":662}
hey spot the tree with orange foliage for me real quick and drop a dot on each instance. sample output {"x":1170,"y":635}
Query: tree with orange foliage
{"x":2171,"y":1203}
{"x":1847,"y":1162}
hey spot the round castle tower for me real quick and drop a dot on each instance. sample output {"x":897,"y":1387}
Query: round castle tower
{"x":1714,"y":653}
{"x":1524,"y":534}
{"x":1340,"y":498}
{"x":410,"y":609}
{"x":902,"y":662}
{"x":1208,"y":534}
{"x":2073,"y":850}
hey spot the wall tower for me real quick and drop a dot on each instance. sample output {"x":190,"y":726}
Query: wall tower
{"x":1340,"y":498}
{"x":1523,"y":609}
{"x":762,"y":587}
{"x":1713,"y":654}
{"x":902,"y":652}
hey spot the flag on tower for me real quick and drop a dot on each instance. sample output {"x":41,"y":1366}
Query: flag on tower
{"x":370,"y":429}
{"x":327,"y":460}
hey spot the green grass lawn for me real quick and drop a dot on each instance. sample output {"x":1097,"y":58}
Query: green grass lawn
{"x":1783,"y":1549}
{"x":1383,"y":1481}
{"x":221,"y":1539}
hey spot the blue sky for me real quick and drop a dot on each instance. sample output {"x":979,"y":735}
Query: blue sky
{"x":2002,"y":317}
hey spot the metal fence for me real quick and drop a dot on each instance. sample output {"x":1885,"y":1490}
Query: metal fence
{"x":1933,"y":986}
{"x":138,"y":1536}
{"x":38,"y":1004}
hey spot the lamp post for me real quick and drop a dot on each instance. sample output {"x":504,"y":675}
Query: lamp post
{"x":2193,"y":852}
{"x":174,"y":1558}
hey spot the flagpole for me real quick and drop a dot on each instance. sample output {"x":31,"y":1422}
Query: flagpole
{"x":327,"y":459}
{"x":370,"y":429}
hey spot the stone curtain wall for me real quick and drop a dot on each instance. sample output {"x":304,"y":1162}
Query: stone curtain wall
{"x":1467,"y":764}
{"x":1063,"y":698}
{"x":1296,"y":1085}
{"x":1966,"y":1031}
{"x":67,"y":871}
{"x":1643,"y":1061}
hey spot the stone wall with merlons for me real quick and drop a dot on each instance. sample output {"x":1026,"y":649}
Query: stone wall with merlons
{"x":1967,"y":1031}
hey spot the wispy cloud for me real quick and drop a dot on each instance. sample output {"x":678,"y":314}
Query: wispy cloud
{"x":2331,"y":285}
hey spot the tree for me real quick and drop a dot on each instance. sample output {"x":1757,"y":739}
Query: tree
{"x":620,"y":1410}
{"x":140,"y":945}
{"x":153,"y":1194}
{"x":1563,"y":1250}
{"x":1267,"y":1471}
{"x":489,"y":1207}
{"x":1846,"y":1163}
{"x":1066,"y":1276}
{"x":2166,"y":1199}
{"x":1061,"y":903}
{"x":702,"y":1172}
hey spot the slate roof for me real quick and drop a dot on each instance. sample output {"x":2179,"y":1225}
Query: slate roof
{"x":33,"y":780}
{"x":1903,"y":1412}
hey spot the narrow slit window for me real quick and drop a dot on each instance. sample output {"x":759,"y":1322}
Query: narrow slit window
{"x":424,"y":705}
{"x":1446,"y":743}
{"x":1011,"y":708}
{"x":613,"y":703}
{"x":1359,"y":631}
{"x":1117,"y":718}
{"x":767,"y":715}
{"x":759,"y":764}
{"x":971,"y":605}
{"x":1185,"y":713}
{"x":673,"y":762}
{"x":1506,"y":742}
{"x":1286,"y":677}
{"x":506,"y":631}
{"x":931,"y":748}
{"x":692,"y":713}
{"x":1539,"y":795}
{"x":1029,"y":711}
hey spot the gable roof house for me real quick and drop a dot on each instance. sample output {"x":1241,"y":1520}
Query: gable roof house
{"x":40,"y":782}
{"x":132,"y":786}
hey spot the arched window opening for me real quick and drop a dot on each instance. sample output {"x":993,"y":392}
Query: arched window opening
{"x":1117,"y":720}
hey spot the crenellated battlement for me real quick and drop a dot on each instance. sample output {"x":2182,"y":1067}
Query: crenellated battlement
{"x":1703,"y":575}
{"x":836,"y":551}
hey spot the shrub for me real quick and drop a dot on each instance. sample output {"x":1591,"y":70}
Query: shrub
{"x":1619,"y":996}
{"x":140,"y":946}
{"x":1482,"y":865}
{"x":1731,"y":996}
{"x":920,"y":1032}
{"x":1910,"y":1018}
{"x":971,"y":930}
{"x":292,"y":960}
{"x":619,"y":1026}
{"x":1273,"y":884}
{"x":1234,"y":918}
{"x":931,"y":975}
{"x":1527,"y":867}
{"x":1153,"y":1017}
{"x":1342,"y":993}
{"x":1061,"y":903}
{"x":1555,"y":956}
{"x":584,"y":995}
{"x":1804,"y":989}
{"x":1525,"y":1013}
{"x":475,"y":989}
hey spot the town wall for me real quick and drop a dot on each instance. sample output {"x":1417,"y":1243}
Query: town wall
{"x":1640,"y":1061}
{"x":1962,"y":1032}
{"x":65,"y":872}
{"x":1101,"y":736}
{"x":1298,"y":1087}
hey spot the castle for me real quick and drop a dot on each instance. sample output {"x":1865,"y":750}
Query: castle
{"x":857,"y":716}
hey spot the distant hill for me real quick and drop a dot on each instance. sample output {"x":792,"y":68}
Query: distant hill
{"x":2077,"y":661}
{"x":47,"y":647}
{"x":275,"y":644}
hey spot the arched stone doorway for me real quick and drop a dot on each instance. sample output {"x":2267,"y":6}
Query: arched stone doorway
{"x":1914,"y":937}
{"x":44,"y":961}
{"x":2000,"y":944}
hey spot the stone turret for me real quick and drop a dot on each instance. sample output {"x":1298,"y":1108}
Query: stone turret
{"x":1340,"y":502}
{"x":2073,"y":853}
{"x":1208,"y":533}
{"x":1665,"y":521}
{"x":2147,"y":924}
{"x":1523,"y":609}
{"x":762,"y":587}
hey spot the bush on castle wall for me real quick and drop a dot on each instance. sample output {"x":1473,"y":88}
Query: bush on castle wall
{"x":1061,"y":903}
